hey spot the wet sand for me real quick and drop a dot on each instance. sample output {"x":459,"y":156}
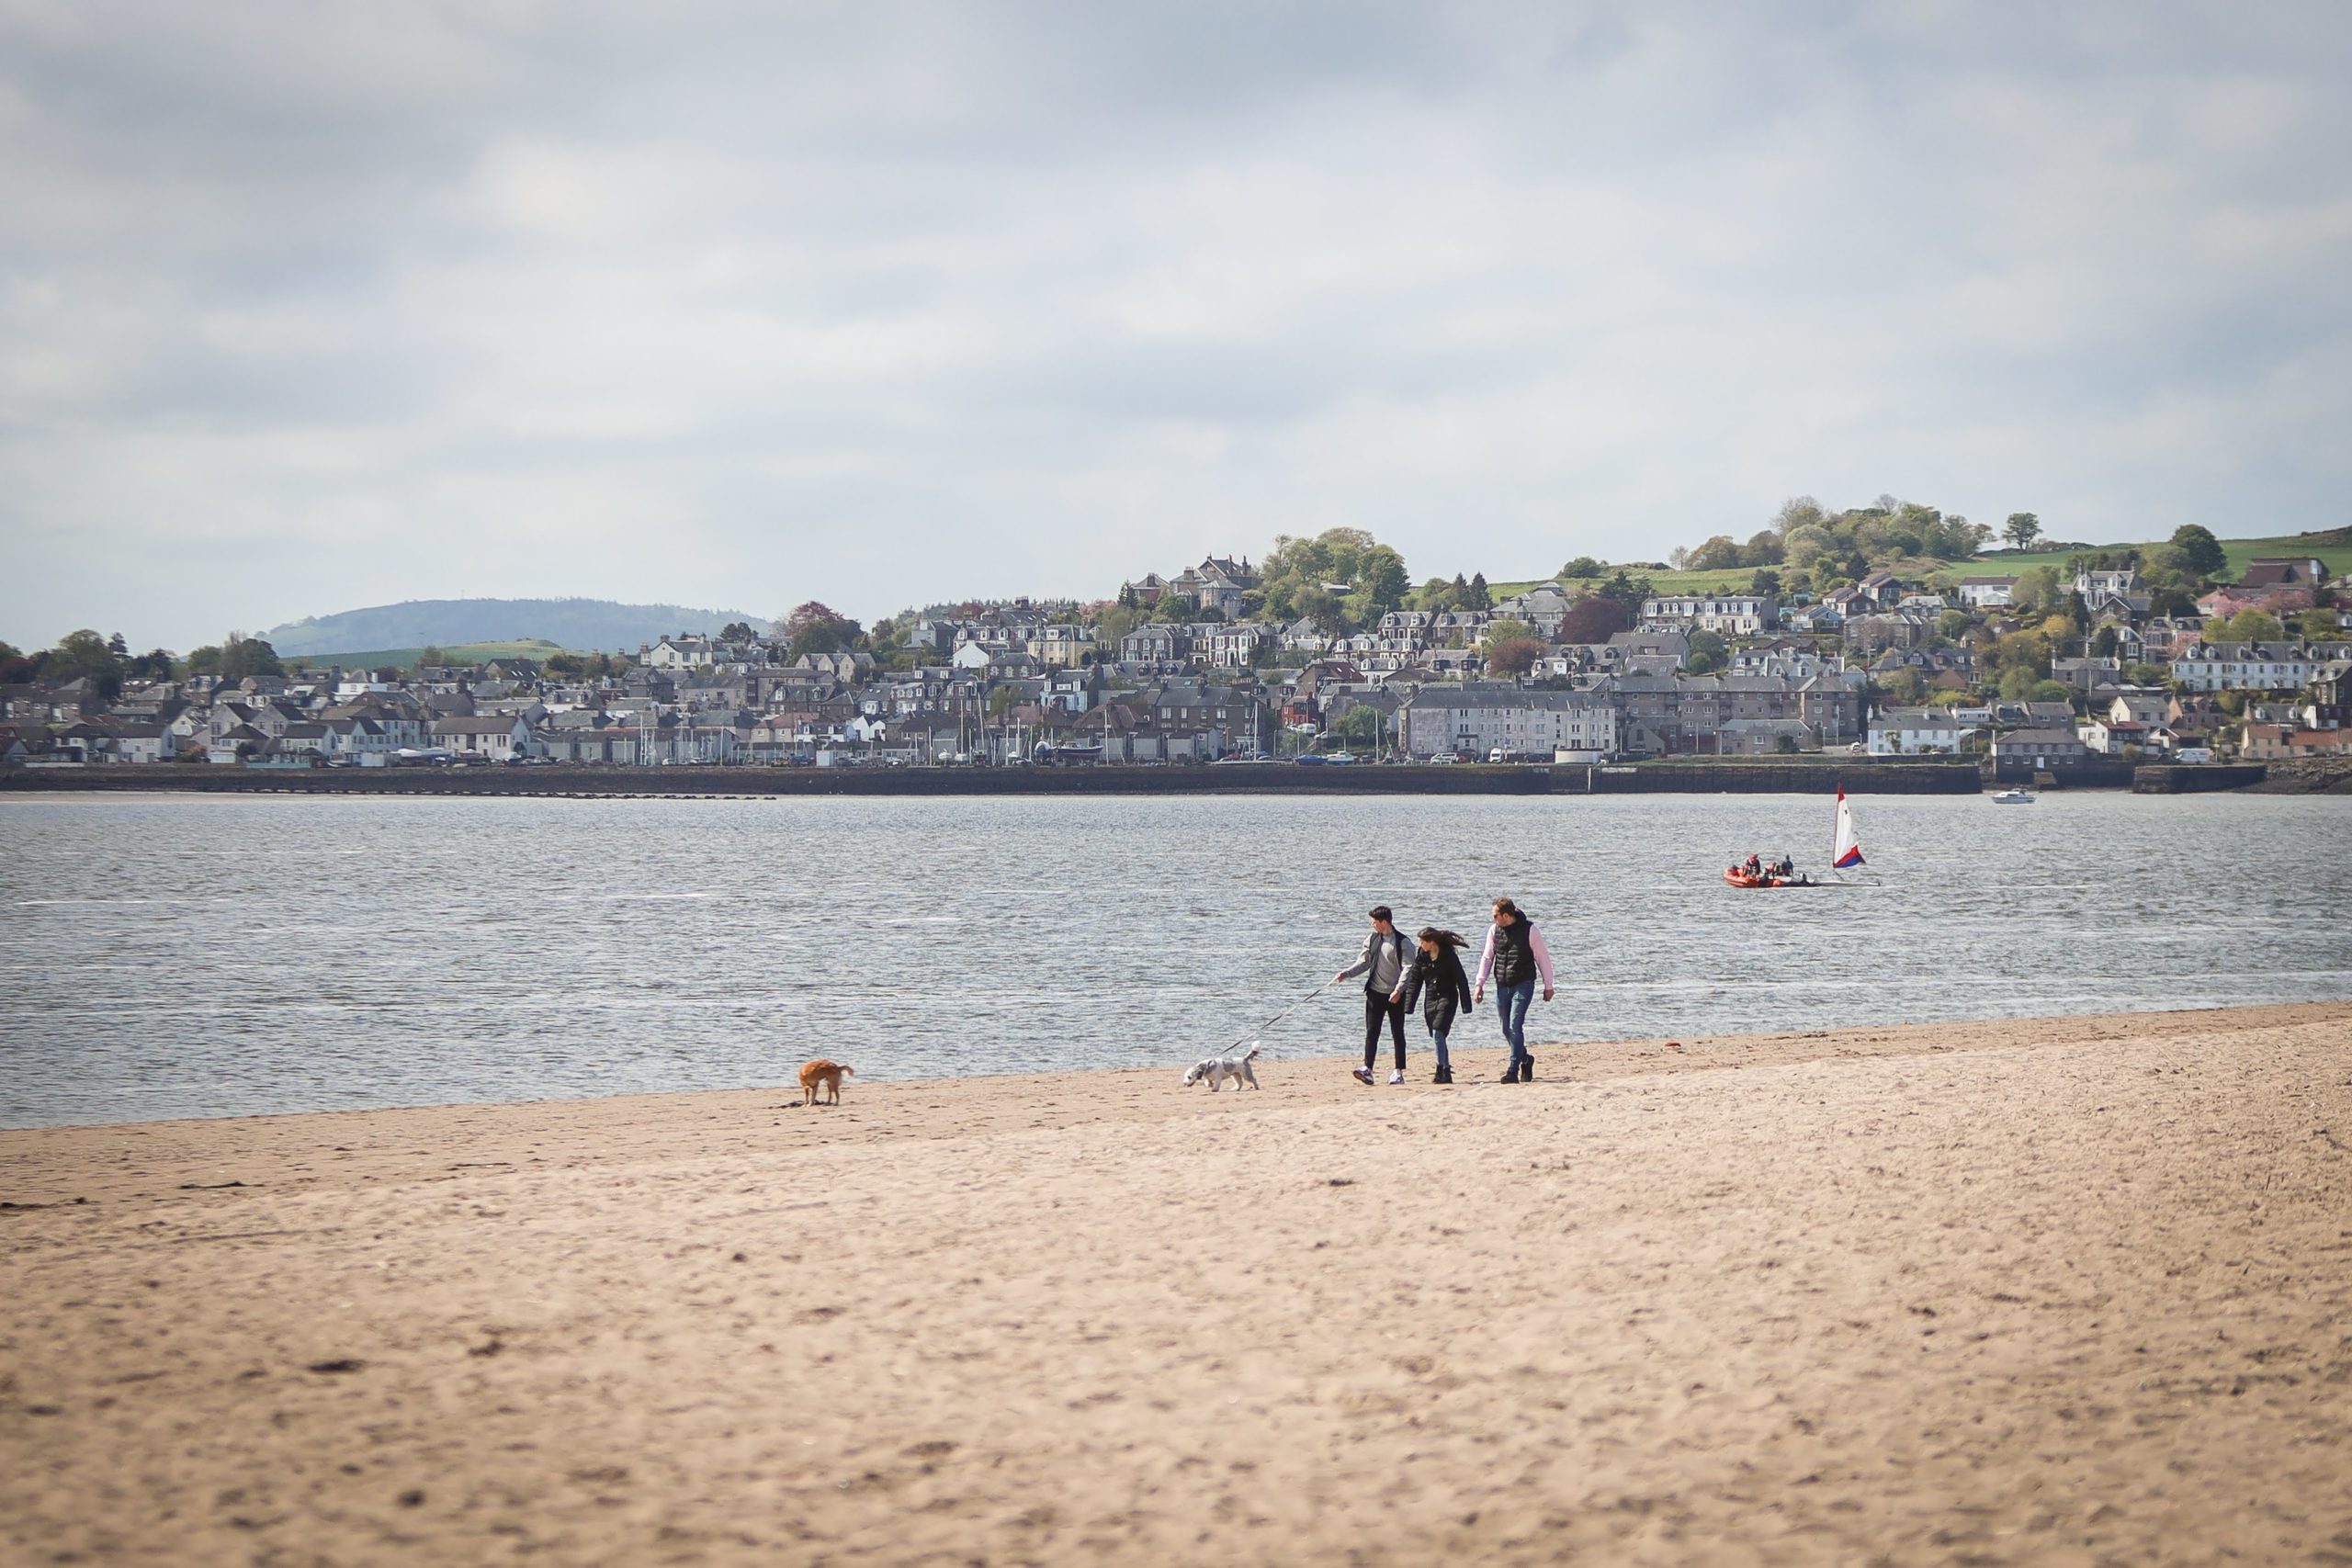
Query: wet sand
{"x":2073,"y":1291}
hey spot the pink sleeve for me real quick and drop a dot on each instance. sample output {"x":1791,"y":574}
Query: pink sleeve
{"x":1542,"y":953}
{"x":1486,"y":960}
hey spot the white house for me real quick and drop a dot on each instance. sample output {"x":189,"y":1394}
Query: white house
{"x":1988,"y":592}
{"x":2253,"y":665}
{"x":1899,"y":732}
{"x":494,"y":738}
{"x":1732,"y":615}
{"x":2109,"y":735}
{"x":1569,"y":727}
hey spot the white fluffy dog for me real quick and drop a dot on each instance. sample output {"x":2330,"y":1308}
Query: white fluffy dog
{"x":1216,"y":1069}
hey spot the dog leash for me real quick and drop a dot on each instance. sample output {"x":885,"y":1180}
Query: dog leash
{"x":1252,"y":1034}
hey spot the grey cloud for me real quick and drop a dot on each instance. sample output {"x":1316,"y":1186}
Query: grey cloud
{"x":307,"y":306}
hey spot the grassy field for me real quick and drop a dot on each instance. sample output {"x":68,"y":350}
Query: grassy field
{"x":2334,"y":549}
{"x":2335,"y":554}
{"x":455,"y":653}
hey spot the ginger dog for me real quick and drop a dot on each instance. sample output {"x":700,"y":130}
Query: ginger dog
{"x":826,"y":1073}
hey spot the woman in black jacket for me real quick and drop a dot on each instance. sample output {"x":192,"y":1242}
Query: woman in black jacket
{"x":1436,"y":977}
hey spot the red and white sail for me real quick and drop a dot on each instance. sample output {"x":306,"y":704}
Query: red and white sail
{"x":1847,"y":852}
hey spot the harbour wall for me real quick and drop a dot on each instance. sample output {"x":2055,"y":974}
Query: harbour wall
{"x":2165,"y":778}
{"x":1681,"y":778}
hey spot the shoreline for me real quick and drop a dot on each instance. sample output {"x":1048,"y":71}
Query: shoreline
{"x":2028,"y":1291}
{"x":1562,"y":1060}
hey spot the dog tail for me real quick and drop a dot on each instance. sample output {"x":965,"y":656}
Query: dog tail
{"x":1251,"y":1054}
{"x":849,"y":1072}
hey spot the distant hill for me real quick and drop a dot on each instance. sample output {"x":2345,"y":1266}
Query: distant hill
{"x":587,"y":624}
{"x":450,"y":653}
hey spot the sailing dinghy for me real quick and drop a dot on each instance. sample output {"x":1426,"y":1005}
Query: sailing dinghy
{"x":1846,"y":849}
{"x":1845,"y":854}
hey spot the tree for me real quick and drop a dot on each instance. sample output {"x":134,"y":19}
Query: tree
{"x":1764,"y":549}
{"x":240,"y":656}
{"x":2021,"y":529}
{"x":1627,"y":591}
{"x":2200,"y":552}
{"x":85,"y":656}
{"x":2038,"y":589}
{"x":2138,"y":674}
{"x":1952,"y":624}
{"x":1361,"y":724}
{"x":2318,"y":626}
{"x":1765,"y":581}
{"x":1718,"y":554}
{"x":1337,"y":561}
{"x":1708,"y":651}
{"x":1113,"y":623}
{"x":2050,"y":692}
{"x":1478,"y":597}
{"x":737,"y":631}
{"x":1322,"y":608}
{"x":1797,"y":512}
{"x":1513,"y":656}
{"x":816,"y":627}
{"x":2246,"y":625}
{"x":1582,"y":567}
{"x":2105,"y":642}
{"x":1504,"y":626}
{"x":1596,"y":618}
{"x":1904,"y":686}
{"x":243,"y":655}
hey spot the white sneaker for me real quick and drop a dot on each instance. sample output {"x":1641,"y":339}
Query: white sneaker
{"x":1361,"y":1074}
{"x":1396,"y":1078}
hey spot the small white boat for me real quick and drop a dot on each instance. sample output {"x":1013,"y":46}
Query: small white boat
{"x":2013,"y":797}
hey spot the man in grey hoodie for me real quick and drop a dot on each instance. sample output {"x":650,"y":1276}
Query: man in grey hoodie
{"x":1383,"y":968}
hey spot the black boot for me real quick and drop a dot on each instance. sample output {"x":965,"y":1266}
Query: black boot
{"x":1527,"y":1069}
{"x":1444,"y":1075}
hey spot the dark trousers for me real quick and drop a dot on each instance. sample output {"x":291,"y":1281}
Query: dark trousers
{"x":1376,"y":1006}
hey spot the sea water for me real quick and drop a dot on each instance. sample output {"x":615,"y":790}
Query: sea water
{"x":167,"y":955}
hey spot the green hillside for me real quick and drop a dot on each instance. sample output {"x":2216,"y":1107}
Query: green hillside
{"x":402,"y":658}
{"x":2333,"y":549}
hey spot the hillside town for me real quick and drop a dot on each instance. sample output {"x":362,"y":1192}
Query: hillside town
{"x":2046,"y":669}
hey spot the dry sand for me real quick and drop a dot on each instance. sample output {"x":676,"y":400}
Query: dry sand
{"x":2062,"y":1292}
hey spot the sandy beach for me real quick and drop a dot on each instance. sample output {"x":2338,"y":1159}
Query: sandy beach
{"x":2071,"y":1291}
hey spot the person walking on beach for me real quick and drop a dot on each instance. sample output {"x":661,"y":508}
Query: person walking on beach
{"x":1383,"y":967}
{"x":1515,"y":958}
{"x":1436,"y":980}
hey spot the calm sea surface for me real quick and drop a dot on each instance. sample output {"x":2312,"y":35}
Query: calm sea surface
{"x":167,"y":956}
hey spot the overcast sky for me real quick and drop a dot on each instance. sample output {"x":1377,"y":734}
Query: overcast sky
{"x":313,"y":306}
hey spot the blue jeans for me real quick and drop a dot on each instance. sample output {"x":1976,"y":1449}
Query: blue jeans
{"x":1510,"y":1004}
{"x":1437,"y":1039}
